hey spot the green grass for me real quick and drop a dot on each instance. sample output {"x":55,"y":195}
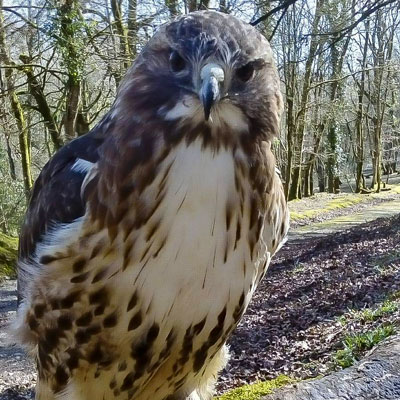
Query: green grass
{"x":298,"y":216}
{"x":306,"y":208}
{"x":298,"y":267}
{"x":369,"y":314}
{"x":8,"y":255}
{"x":339,"y":202}
{"x":356,"y":345}
{"x":394,"y":296}
{"x":343,"y":202}
{"x":389,"y":306}
{"x":256,"y":390}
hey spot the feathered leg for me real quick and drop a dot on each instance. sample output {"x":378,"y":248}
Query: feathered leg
{"x":205,"y":389}
{"x":206,"y":385}
{"x":43,"y":391}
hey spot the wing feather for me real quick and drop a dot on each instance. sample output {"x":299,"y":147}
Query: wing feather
{"x":56,"y":196}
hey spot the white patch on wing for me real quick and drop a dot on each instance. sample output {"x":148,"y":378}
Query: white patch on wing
{"x":56,"y":239}
{"x":82,"y":166}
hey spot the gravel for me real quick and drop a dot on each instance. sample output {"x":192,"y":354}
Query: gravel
{"x":17,"y":372}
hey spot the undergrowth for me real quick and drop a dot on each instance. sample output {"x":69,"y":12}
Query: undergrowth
{"x":356,"y":345}
{"x":8,"y":255}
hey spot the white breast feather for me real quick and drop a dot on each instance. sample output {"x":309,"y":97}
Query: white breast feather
{"x":189,"y":278}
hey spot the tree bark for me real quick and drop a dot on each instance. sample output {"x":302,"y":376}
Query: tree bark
{"x":69,"y":17}
{"x":382,"y":55}
{"x":336,"y":60}
{"x":11,"y":162}
{"x":17,"y":110}
{"x":295,"y":188}
{"x":192,"y":5}
{"x":173,"y":7}
{"x":35,"y":88}
{"x":290,"y":125}
{"x":359,"y":153}
{"x":72,"y":107}
{"x":132,"y":28}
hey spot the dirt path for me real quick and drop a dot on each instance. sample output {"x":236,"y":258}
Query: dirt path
{"x":17,"y":375}
{"x":347,"y":221}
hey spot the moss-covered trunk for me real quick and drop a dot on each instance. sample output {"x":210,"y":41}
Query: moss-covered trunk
{"x":17,"y":110}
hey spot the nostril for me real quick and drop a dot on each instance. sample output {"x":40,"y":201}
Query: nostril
{"x":214,"y":70}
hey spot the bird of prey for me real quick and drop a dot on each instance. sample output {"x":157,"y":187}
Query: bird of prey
{"x":146,"y":238}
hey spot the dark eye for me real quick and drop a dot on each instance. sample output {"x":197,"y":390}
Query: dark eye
{"x":246,"y":72}
{"x":177,"y":62}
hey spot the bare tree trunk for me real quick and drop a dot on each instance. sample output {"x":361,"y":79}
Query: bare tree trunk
{"x":309,"y":169}
{"x":266,"y":26}
{"x":321,"y":177}
{"x":360,"y":182}
{"x":17,"y":110}
{"x":82,"y":119}
{"x":173,"y":7}
{"x":290,"y":125}
{"x":69,"y":17}
{"x":295,"y":189}
{"x":11,"y":162}
{"x":125,"y":50}
{"x":382,"y":54}
{"x":318,"y":127}
{"x":132,"y":28}
{"x":3,"y":123}
{"x":35,"y":88}
{"x":192,"y":5}
{"x":336,"y":60}
{"x":72,"y":106}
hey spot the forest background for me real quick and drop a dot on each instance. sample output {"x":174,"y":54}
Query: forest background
{"x":338,"y":60}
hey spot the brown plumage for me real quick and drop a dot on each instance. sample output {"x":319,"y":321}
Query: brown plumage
{"x":145,"y":239}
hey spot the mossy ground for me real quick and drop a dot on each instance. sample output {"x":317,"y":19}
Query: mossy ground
{"x":314,"y":207}
{"x":256,"y":390}
{"x":329,"y":204}
{"x":8,"y":255}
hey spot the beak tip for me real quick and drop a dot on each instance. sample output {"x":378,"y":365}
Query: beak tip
{"x":209,"y":94}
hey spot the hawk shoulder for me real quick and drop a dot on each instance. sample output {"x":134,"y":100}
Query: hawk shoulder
{"x":56,"y":196}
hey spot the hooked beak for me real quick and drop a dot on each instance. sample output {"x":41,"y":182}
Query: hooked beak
{"x":212,"y":75}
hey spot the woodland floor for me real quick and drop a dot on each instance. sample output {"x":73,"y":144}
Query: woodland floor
{"x":308,"y":303}
{"x":317,"y":292}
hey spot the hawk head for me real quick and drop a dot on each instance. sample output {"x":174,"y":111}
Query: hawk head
{"x":204,"y":72}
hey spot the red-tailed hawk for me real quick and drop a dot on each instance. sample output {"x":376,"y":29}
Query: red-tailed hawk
{"x":146,"y":238}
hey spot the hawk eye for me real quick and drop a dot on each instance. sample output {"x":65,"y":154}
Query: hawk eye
{"x":246,"y":72}
{"x":177,"y":63}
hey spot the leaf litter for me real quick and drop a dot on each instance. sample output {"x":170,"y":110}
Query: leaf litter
{"x":316,"y":294}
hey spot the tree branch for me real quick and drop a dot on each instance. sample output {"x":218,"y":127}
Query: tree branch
{"x":284,"y":6}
